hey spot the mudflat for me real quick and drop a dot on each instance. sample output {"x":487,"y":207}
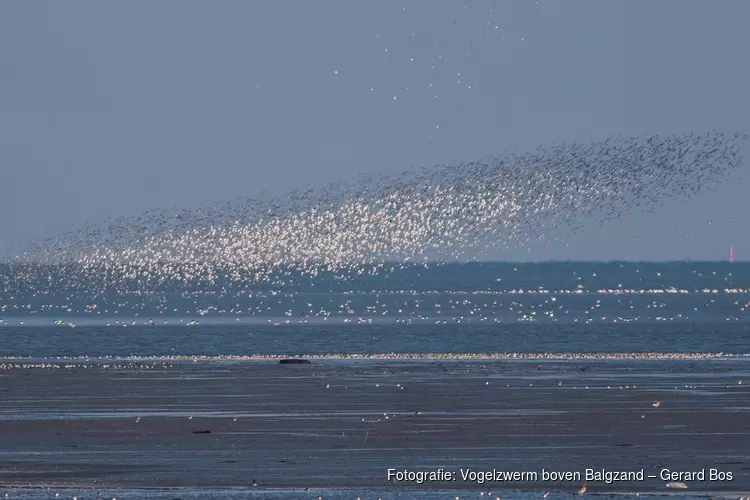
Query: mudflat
{"x":345,"y":423}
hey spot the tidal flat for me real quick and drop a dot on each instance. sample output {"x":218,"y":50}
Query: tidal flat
{"x":334,"y":424}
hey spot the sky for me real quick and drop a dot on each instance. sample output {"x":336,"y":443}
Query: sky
{"x":110,"y":109}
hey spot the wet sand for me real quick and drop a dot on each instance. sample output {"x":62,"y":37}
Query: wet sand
{"x":344,"y":423}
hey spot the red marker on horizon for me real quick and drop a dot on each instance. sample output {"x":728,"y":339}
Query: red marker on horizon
{"x":731,"y":254}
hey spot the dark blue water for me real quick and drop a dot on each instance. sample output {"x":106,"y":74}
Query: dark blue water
{"x":466,"y":308}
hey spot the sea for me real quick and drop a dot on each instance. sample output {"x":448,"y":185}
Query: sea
{"x":397,"y":310}
{"x":418,"y":309}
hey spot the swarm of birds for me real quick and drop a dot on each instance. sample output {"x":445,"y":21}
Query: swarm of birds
{"x":440,"y":213}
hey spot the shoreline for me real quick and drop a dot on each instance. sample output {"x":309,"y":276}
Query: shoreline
{"x":395,"y":356}
{"x":170,"y":361}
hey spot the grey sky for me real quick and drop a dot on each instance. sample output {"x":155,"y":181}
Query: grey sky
{"x":112,"y":108}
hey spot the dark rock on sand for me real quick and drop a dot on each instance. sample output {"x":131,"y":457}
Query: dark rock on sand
{"x":294,"y":361}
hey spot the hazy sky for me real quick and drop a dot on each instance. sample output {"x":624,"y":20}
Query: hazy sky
{"x":113,"y":108}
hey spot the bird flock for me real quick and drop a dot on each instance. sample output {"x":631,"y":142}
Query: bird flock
{"x":454,"y":212}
